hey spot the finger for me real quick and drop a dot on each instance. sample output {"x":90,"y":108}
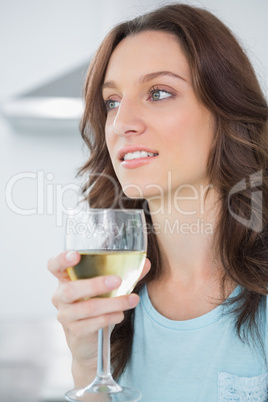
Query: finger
{"x":96,"y":307}
{"x":72,"y":291}
{"x":146,"y":268}
{"x":83,"y":329}
{"x":58,"y":265}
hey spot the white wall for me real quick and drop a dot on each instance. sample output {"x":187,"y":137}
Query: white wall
{"x":38,"y":40}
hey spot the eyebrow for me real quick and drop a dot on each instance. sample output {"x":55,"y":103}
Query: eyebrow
{"x":146,"y":78}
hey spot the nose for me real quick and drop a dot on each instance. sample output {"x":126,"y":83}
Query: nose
{"x":129,"y":119}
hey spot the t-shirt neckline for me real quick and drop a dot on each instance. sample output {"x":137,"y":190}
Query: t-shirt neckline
{"x":185,"y":325}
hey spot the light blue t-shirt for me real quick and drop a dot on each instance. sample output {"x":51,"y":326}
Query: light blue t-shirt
{"x":197,"y":360}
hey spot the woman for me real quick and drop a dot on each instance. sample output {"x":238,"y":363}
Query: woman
{"x":175,"y":117}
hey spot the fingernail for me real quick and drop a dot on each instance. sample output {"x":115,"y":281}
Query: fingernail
{"x":71,"y":256}
{"x":133,"y":300}
{"x":112,"y":281}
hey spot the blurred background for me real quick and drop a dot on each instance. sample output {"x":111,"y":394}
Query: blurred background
{"x":45,"y":48}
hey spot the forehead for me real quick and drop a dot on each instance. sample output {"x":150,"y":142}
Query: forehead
{"x":147,"y":52}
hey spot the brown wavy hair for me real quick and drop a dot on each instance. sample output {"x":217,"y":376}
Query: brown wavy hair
{"x":225,"y":82}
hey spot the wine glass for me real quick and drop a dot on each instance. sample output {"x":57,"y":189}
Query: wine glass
{"x":110,"y":242}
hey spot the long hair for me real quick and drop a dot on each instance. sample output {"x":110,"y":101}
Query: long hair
{"x":225,"y":82}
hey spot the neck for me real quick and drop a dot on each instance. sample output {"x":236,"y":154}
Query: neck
{"x":185,"y":230}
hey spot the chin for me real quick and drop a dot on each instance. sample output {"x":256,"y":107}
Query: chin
{"x":137,"y":191}
{"x":133,"y":191}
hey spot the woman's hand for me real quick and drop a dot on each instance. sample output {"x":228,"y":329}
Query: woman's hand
{"x":82,"y":314}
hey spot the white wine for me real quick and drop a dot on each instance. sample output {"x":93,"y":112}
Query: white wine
{"x":124,"y":263}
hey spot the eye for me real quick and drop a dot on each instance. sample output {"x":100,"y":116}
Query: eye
{"x":111,"y":104}
{"x":156,"y":94}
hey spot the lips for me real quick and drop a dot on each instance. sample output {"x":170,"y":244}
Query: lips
{"x":132,"y":157}
{"x":136,"y":152}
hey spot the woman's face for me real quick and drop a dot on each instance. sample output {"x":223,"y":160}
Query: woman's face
{"x":157,"y":132}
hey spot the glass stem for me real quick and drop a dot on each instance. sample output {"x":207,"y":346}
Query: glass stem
{"x":104,"y":364}
{"x":103,"y":381}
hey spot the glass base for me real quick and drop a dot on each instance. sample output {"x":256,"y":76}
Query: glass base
{"x":103,"y":394}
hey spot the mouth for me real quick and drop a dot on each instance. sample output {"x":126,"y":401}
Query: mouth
{"x":134,"y":153}
{"x":138,"y":155}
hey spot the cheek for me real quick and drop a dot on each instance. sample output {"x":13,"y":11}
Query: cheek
{"x":188,"y":139}
{"x":191,"y":127}
{"x":109,"y":139}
